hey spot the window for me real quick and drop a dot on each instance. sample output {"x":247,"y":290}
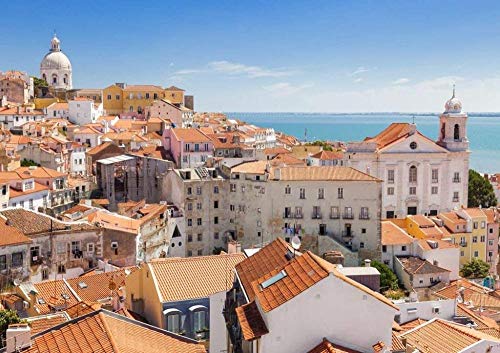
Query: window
{"x":462,"y":253}
{"x":190,"y":253}
{"x":476,"y":225}
{"x":456,"y":132}
{"x":490,"y":242}
{"x":482,"y":239}
{"x":413,"y":145}
{"x":76,"y":249}
{"x":232,"y":187}
{"x":190,"y":206}
{"x":109,"y":96}
{"x":199,"y":320}
{"x":389,"y":214}
{"x":198,"y":206}
{"x":17,"y":259}
{"x":3,"y":262}
{"x":364,"y":214}
{"x":216,"y":189}
{"x":216,"y":220}
{"x":412,"y":178}
{"x":173,"y":323}
{"x":384,"y":248}
{"x":321,"y":193}
{"x":216,"y":204}
{"x":434,"y":190}
{"x":198,"y":221}
{"x":334,"y":212}
{"x":340,"y":193}
{"x":216,"y":235}
{"x":413,"y":190}
{"x":403,"y":248}
{"x":483,"y":224}
{"x":363,"y":230}
{"x":190,"y":238}
{"x":232,"y":207}
{"x":476,"y":253}
{"x":199,"y":237}
{"x":348,"y":213}
{"x":90,"y":248}
{"x":390,"y":190}
{"x":288,"y":190}
{"x":198,"y":190}
{"x":189,"y":191}
{"x":455,"y":196}
{"x":302,"y":193}
{"x":361,"y":245}
{"x":147,"y":95}
{"x":474,"y":239}
{"x":190,"y":222}
{"x":200,"y":252}
{"x":61,"y":268}
{"x":435,"y":175}
{"x":390,"y":176}
{"x":298,"y":212}
{"x":456,"y":177}
{"x":34,"y":254}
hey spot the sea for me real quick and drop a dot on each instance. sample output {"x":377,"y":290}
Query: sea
{"x":483,"y":129}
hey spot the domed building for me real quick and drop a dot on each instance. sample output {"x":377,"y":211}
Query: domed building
{"x":55,"y":67}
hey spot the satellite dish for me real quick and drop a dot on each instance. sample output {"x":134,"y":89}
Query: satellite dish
{"x":296,"y":243}
{"x":16,"y":282}
{"x":127,"y":272}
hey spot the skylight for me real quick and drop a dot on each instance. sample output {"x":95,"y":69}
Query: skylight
{"x":268,"y":282}
{"x":65,"y":296}
{"x":41,"y":301}
{"x":82,"y":285}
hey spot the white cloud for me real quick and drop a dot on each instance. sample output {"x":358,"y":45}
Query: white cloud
{"x":236,"y":69}
{"x":358,"y":80}
{"x":245,"y":70}
{"x":401,"y":81}
{"x":285,"y":88}
{"x":359,"y":70}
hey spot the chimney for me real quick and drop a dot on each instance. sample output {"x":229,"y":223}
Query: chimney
{"x":233,"y":247}
{"x":368,"y":262}
{"x":18,"y":337}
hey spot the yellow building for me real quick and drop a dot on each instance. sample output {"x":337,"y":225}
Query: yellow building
{"x":120,"y":98}
{"x":460,"y":230}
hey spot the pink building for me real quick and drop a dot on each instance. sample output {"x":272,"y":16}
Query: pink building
{"x":190,"y":148}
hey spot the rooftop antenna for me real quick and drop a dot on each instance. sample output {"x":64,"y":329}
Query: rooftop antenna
{"x":295,"y":244}
{"x":413,"y":119}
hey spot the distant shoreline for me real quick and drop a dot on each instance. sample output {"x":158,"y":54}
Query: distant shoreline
{"x":470,"y":114}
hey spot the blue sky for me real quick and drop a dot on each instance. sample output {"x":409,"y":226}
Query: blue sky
{"x":321,"y":56}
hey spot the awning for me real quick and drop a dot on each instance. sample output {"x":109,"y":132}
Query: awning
{"x":171,"y":311}
{"x":198,"y":307}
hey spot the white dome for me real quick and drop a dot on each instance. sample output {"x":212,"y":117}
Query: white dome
{"x":453,"y":105}
{"x":55,"y":60}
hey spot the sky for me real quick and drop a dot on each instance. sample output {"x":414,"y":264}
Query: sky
{"x":273,"y":55}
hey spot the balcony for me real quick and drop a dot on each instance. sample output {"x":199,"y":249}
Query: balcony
{"x":347,"y":234}
{"x":348,"y":216}
{"x":456,"y":180}
{"x":364,"y":216}
{"x":463,"y":244}
{"x":334,"y":215}
{"x":434,"y":181}
{"x":316,"y":215}
{"x":288,"y":215}
{"x":299,"y":215}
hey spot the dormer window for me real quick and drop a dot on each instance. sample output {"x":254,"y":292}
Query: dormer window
{"x":29,"y":185}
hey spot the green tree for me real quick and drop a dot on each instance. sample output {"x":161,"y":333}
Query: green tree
{"x":29,"y":163}
{"x":388,"y":280}
{"x":7,"y":317}
{"x":39,"y":82}
{"x":476,"y":268}
{"x":481,"y":191}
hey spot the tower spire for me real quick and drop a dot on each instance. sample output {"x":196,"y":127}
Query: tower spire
{"x":453,"y":96}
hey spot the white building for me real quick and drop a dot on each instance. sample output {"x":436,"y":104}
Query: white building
{"x":287,"y":302}
{"x":77,"y":159}
{"x":57,"y":110}
{"x":420,"y":176}
{"x":84,"y":111}
{"x":55,"y":67}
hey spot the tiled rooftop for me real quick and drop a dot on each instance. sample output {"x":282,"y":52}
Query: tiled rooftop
{"x":251,"y":321}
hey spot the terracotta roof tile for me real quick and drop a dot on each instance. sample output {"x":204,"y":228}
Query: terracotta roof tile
{"x":416,"y":266}
{"x":53,"y":295}
{"x":328,"y":155}
{"x":397,"y":344}
{"x":267,"y":259}
{"x":251,"y":322}
{"x":392,"y":133}
{"x":323,"y":174}
{"x":40,"y":223}
{"x":393,"y":235}
{"x":41,"y":323}
{"x":328,"y":347}
{"x":440,"y":336}
{"x":190,"y":135}
{"x":255,"y":167}
{"x":410,"y":325}
{"x":194,"y":277}
{"x":82,"y":308}
{"x":11,"y":235}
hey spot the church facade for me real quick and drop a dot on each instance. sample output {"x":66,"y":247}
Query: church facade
{"x":420,"y":176}
{"x":55,"y":67}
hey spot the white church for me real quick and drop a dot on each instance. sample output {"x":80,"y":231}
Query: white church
{"x":419,"y":175}
{"x":55,"y":67}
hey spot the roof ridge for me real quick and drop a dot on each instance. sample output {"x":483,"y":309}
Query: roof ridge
{"x":102,"y":318}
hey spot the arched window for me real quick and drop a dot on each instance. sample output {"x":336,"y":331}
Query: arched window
{"x":65,"y":79}
{"x":173,"y":320}
{"x":54,"y":78}
{"x":44,"y":77}
{"x":443,"y":131}
{"x":413,"y":174}
{"x":456,"y":132}
{"x":139,"y":109}
{"x":131,"y":108}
